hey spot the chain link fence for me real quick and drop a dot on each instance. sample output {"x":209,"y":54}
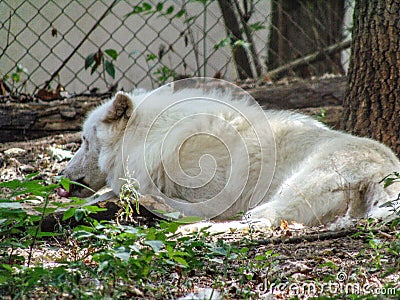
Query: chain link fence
{"x":88,"y":44}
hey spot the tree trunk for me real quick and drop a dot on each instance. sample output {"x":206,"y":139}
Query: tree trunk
{"x":301,"y":27}
{"x":20,"y":121}
{"x":232,"y":26}
{"x":372,"y":105}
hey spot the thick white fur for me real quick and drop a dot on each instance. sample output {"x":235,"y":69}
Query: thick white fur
{"x":320,"y":174}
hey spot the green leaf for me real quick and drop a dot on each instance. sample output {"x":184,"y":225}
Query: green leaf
{"x":83,"y":228}
{"x":41,"y":234}
{"x":89,"y":61}
{"x":83,"y":234}
{"x":94,"y":68}
{"x":82,"y":185}
{"x":147,"y":6}
{"x":65,"y":183}
{"x":257,"y":26}
{"x":12,"y":184}
{"x":188,"y":20}
{"x":159,"y":6}
{"x":94,"y":208}
{"x":181,"y":261}
{"x":241,"y":43}
{"x":48,"y":210}
{"x":151,"y":56}
{"x":180,"y":13}
{"x":223,"y":43}
{"x":219,"y":251}
{"x":217,"y":260}
{"x":15,"y":77}
{"x":110,"y":68}
{"x":11,"y":205}
{"x":122,"y":253}
{"x":79,"y":214}
{"x":137,"y":10}
{"x":112,"y":53}
{"x":103,"y":266}
{"x":155,"y":245}
{"x":387,"y":204}
{"x":69,"y":213}
{"x":7,"y":267}
{"x":134,"y":248}
{"x":172,"y":215}
{"x":170,"y":10}
{"x":102,"y":237}
{"x":189,"y":220}
{"x":31,"y":175}
{"x":171,"y":227}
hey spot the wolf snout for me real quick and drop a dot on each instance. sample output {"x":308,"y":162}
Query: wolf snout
{"x":74,"y":189}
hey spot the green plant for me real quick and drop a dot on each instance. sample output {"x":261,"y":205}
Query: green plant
{"x":157,"y":68}
{"x":148,"y":8}
{"x":395,"y":203}
{"x":16,"y":77}
{"x":163,"y":73}
{"x":390,"y":179}
{"x":229,"y":41}
{"x":121,"y":253}
{"x":105,"y":59}
{"x":321,"y":116}
{"x":103,"y":259}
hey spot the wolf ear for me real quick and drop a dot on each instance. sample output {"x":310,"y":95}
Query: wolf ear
{"x":121,"y":107}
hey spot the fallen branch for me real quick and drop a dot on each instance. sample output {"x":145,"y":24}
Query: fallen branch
{"x":314,"y":237}
{"x":19,"y":121}
{"x":311,"y":58}
{"x":34,"y":118}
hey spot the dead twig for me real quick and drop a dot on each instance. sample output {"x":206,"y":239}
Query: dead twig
{"x":8,"y":37}
{"x":329,"y":235}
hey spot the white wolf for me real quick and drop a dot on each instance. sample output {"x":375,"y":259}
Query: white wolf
{"x":213,"y":154}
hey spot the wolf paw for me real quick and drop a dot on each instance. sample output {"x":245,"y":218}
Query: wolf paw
{"x":244,"y":226}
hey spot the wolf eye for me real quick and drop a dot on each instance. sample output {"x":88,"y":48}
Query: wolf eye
{"x":84,"y":139}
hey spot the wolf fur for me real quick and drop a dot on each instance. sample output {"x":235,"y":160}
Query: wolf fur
{"x":299,"y":169}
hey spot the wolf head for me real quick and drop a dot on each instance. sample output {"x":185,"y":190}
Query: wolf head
{"x":101,"y":131}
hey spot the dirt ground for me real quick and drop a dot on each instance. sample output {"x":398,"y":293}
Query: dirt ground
{"x":304,"y":254}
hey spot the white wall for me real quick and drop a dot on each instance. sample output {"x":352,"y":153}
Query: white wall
{"x":32,"y":45}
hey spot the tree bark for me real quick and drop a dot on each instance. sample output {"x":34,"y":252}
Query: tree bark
{"x":372,"y":105}
{"x":20,"y":121}
{"x":301,"y":27}
{"x":232,"y":26}
{"x":301,"y":94}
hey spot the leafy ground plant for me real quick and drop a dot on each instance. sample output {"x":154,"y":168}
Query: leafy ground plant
{"x":104,"y":259}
